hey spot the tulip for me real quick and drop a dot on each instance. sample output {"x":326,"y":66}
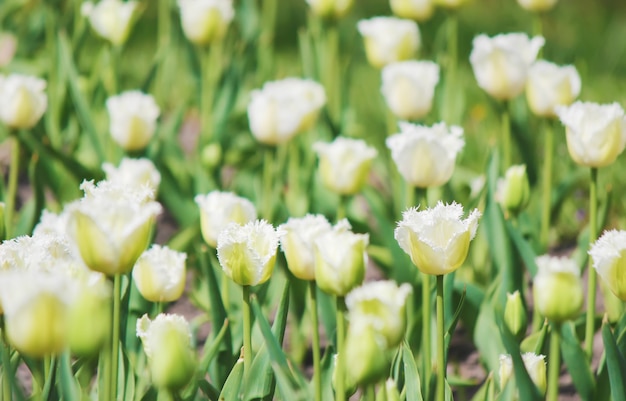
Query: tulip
{"x":134,"y":173}
{"x":218,"y":210}
{"x":133,"y":116}
{"x":409,"y":88}
{"x":550,"y":86}
{"x":418,"y":10}
{"x":89,"y":317}
{"x":425,"y":156}
{"x":168,"y":344}
{"x":247,"y":253}
{"x":596,"y":134}
{"x":111,"y":19}
{"x":557,"y":290}
{"x":297,"y":242}
{"x":535,"y":366}
{"x":205,"y":21}
{"x":368,"y":355}
{"x":159,"y":274}
{"x":344,"y":164}
{"x":330,"y":8}
{"x":513,"y":192}
{"x":537,"y":5}
{"x":515,"y":314}
{"x":608,"y":254}
{"x":22,"y":100}
{"x":389,"y":39}
{"x":501,"y":63}
{"x":282,"y":109}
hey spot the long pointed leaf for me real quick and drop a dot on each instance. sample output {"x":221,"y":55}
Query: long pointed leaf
{"x":616,"y":365}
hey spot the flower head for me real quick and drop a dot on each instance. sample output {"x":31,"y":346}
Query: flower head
{"x":535,"y":366}
{"x":205,"y":21}
{"x":330,"y":8}
{"x":218,"y":210}
{"x":549,"y":86}
{"x":133,"y":116}
{"x":389,"y":39}
{"x":111,"y":19}
{"x":134,"y":173}
{"x":557,"y":289}
{"x":608,"y":254}
{"x":22,"y":100}
{"x":159,"y":274}
{"x":409,"y":88}
{"x":513,"y":191}
{"x":418,"y":10}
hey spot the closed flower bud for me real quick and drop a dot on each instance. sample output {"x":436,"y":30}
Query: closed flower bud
{"x":168,"y":344}
{"x":330,"y":8}
{"x":368,"y":357}
{"x":425,"y":156}
{"x":297,"y":243}
{"x":608,"y":254}
{"x":111,"y":19}
{"x":550,"y":86}
{"x":451,"y":4}
{"x":558,"y":290}
{"x":381,"y":305}
{"x":409,"y":88}
{"x":390,"y":390}
{"x":22,"y":100}
{"x":133,"y":116}
{"x":344,"y":164}
{"x":389,"y":39}
{"x":501,"y":63}
{"x":596,"y":133}
{"x":282,"y":109}
{"x":437,"y":239}
{"x":211,"y":156}
{"x":534,"y":364}
{"x":134,"y":173}
{"x":537,"y":5}
{"x":418,"y":10}
{"x":247,"y":253}
{"x":205,"y":21}
{"x":112,"y":225}
{"x":159,"y":274}
{"x":515,"y":314}
{"x":513,"y":192}
{"x":218,"y":210}
{"x":89,"y":319}
{"x":340,"y":259}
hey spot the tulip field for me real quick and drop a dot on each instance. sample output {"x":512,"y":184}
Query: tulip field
{"x":378,"y":200}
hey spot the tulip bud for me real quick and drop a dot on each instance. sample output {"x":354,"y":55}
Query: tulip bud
{"x":159,"y":274}
{"x":389,"y":39}
{"x":513,"y":192}
{"x":247,"y":253}
{"x":205,"y":21}
{"x":167,"y":342}
{"x":219,"y":209}
{"x":558,"y":290}
{"x":330,"y":8}
{"x":409,"y":88}
{"x":418,"y":10}
{"x":390,"y":390}
{"x":368,"y":356}
{"x":211,"y":156}
{"x":596,"y":133}
{"x":537,"y":5}
{"x":608,"y":254}
{"x":344,"y":164}
{"x":134,"y":173}
{"x":515,"y":314}
{"x":534,"y":364}
{"x":340,"y":259}
{"x":133,"y":116}
{"x":89,"y":320}
{"x":111,"y":19}
{"x":550,"y":86}
{"x":22,"y":100}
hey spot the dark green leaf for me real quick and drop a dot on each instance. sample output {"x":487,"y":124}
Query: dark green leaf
{"x":616,"y":365}
{"x":577,"y":362}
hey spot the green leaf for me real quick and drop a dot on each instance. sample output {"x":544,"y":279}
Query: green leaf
{"x":616,"y":365}
{"x":411,"y":375}
{"x":524,"y":249}
{"x":209,"y":390}
{"x":577,"y":362}
{"x":327,"y":366}
{"x":535,"y":342}
{"x":232,"y":386}
{"x":67,"y":385}
{"x":486,"y":392}
{"x":454,"y":320}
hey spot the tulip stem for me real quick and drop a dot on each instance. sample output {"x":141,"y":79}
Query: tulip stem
{"x":117,"y":294}
{"x":268,"y":178}
{"x":506,"y":137}
{"x":317,"y":373}
{"x":266,"y":40}
{"x":340,"y":392}
{"x":554,"y":364}
{"x":211,"y":70}
{"x":592,"y":278}
{"x":225,"y":290}
{"x":450,"y":115}
{"x":247,"y":333}
{"x":370,"y":394}
{"x":426,"y":328}
{"x":341,"y":207}
{"x":441,"y":358}
{"x":548,"y":151}
{"x":7,"y":371}
{"x":12,"y":189}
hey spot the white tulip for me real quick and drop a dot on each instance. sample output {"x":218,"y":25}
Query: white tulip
{"x":330,"y":8}
{"x":218,"y":210}
{"x":111,"y":19}
{"x":550,"y":86}
{"x":133,"y":117}
{"x":23,"y":100}
{"x":134,"y":173}
{"x":609,"y":259}
{"x":205,"y":21}
{"x":535,"y":366}
{"x":159,"y":274}
{"x":419,"y":10}
{"x":389,"y":39}
{"x":409,"y":88}
{"x":557,"y":289}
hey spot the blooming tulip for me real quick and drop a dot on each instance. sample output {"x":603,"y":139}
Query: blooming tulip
{"x":409,"y":88}
{"x":134,"y":173}
{"x":297,"y":243}
{"x":111,"y":19}
{"x":501,"y":63}
{"x":425,"y":156}
{"x":22,"y":100}
{"x":535,"y":366}
{"x":557,"y":290}
{"x":133,"y":116}
{"x":389,"y":39}
{"x":159,"y":274}
{"x":418,"y":10}
{"x":609,"y":259}
{"x":330,"y":8}
{"x":550,"y":86}
{"x":205,"y":21}
{"x":219,"y":209}
{"x":596,"y":133}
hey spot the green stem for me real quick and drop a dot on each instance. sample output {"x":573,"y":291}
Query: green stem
{"x":117,"y":295}
{"x":7,"y":371}
{"x":340,"y":392}
{"x":49,"y":364}
{"x":426,"y":328}
{"x":370,"y":394}
{"x":225,"y":292}
{"x":451,"y":88}
{"x":409,"y":196}
{"x":266,"y":40}
{"x":441,"y":359}
{"x":268,"y":179}
{"x":592,"y":279}
{"x":317,"y":372}
{"x":211,"y":65}
{"x":11,"y":196}
{"x":554,"y":364}
{"x":164,"y":22}
{"x":341,"y":208}
{"x":548,"y":152}
{"x":383,"y":393}
{"x":247,"y":333}
{"x":506,"y":137}
{"x":332,"y":74}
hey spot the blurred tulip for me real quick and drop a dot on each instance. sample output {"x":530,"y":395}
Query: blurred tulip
{"x":89,"y":317}
{"x":437,"y":239}
{"x":344,"y":164}
{"x":418,"y":10}
{"x":159,"y":274}
{"x":111,"y":19}
{"x":389,"y":39}
{"x":513,"y":191}
{"x":297,"y":242}
{"x":133,"y":116}
{"x":134,"y":173}
{"x":247,"y":253}
{"x":330,"y":8}
{"x":425,"y":156}
{"x":367,"y":354}
{"x":501,"y":63}
{"x":22,"y":100}
{"x":535,"y":366}
{"x":515,"y":316}
{"x":608,"y":254}
{"x":550,"y":86}
{"x":557,"y":289}
{"x":205,"y":21}
{"x":282,"y":109}
{"x":537,"y":5}
{"x":388,"y":392}
{"x":596,"y":133}
{"x":218,"y":210}
{"x":409,"y":88}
